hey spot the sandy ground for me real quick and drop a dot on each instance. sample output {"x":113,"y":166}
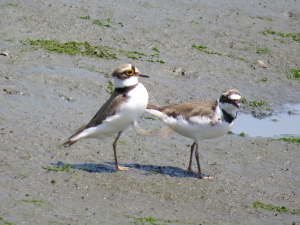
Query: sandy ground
{"x":45,"y":96}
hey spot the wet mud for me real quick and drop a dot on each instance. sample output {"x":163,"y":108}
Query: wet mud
{"x":192,"y":51}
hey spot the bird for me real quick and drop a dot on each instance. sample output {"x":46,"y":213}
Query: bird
{"x":200,"y":120}
{"x":122,"y":110}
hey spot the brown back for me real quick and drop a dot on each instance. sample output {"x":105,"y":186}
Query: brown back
{"x":108,"y":109}
{"x":188,"y":109}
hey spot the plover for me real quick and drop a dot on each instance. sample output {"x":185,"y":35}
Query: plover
{"x":200,"y":120}
{"x":126,"y":104}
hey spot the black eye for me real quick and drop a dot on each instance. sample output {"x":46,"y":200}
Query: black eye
{"x":225,"y":98}
{"x":129,"y":72}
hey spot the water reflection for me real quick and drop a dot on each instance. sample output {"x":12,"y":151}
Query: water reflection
{"x":284,"y":124}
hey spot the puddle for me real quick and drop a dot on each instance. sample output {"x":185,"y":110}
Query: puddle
{"x":283,"y":124}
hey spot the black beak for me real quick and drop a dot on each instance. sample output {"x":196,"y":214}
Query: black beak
{"x":235,"y":103}
{"x":142,"y":75}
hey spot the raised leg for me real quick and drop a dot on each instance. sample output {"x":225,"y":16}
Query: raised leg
{"x":138,"y":130}
{"x":198,"y":164}
{"x":115,"y":153}
{"x":191,"y":158}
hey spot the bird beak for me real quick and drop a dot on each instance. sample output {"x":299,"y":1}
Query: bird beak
{"x":142,"y":75}
{"x":236,"y":104}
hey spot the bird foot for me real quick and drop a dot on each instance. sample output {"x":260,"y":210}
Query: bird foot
{"x":206,"y":177}
{"x":189,"y":170}
{"x":165,"y":132}
{"x":122,"y":168}
{"x":140,"y":131}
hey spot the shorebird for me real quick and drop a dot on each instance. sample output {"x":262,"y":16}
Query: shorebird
{"x":126,"y":104}
{"x":200,"y":120}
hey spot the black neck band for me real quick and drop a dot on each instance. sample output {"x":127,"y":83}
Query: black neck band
{"x":228,"y":117}
{"x":125,"y":90}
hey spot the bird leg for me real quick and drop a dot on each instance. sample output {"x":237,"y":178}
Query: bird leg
{"x":115,"y":153}
{"x":189,"y":169}
{"x":198,"y":164}
{"x":139,"y":130}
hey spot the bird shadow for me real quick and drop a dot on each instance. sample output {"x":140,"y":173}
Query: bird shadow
{"x":109,"y":167}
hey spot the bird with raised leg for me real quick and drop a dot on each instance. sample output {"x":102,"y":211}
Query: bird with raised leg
{"x":122,"y":110}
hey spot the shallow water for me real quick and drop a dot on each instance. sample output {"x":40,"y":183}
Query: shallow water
{"x":282,"y":124}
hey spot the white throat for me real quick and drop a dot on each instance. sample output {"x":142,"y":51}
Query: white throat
{"x":125,"y":83}
{"x":229,"y":108}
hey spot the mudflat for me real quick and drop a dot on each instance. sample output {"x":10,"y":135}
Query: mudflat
{"x":56,"y":63}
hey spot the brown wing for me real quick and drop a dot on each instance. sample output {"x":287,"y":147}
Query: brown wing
{"x":188,"y":109}
{"x":108,"y":109}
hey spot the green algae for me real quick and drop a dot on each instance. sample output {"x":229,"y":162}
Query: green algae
{"x":86,"y":49}
{"x":57,"y":169}
{"x":295,"y":72}
{"x":257,"y":103}
{"x":290,"y":140}
{"x":75,"y":48}
{"x":275,"y":208}
{"x":294,"y":36}
{"x":261,"y":51}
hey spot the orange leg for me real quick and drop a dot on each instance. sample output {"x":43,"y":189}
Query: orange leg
{"x":115,"y":153}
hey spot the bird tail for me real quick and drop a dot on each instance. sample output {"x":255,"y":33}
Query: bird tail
{"x":155,"y":110}
{"x":159,"y":108}
{"x":72,"y":140}
{"x":68,"y":143}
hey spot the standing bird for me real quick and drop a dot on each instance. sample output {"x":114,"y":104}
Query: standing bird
{"x":126,"y":104}
{"x":200,"y":120}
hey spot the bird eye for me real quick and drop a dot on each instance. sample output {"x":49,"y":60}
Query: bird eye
{"x":129,"y":72}
{"x":225,"y":98}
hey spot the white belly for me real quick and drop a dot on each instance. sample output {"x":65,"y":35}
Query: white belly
{"x":135,"y":105}
{"x":199,"y":128}
{"x":126,"y":115}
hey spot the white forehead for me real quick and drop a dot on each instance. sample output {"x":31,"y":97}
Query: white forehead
{"x":124,"y":68}
{"x":127,"y":67}
{"x":234,"y":97}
